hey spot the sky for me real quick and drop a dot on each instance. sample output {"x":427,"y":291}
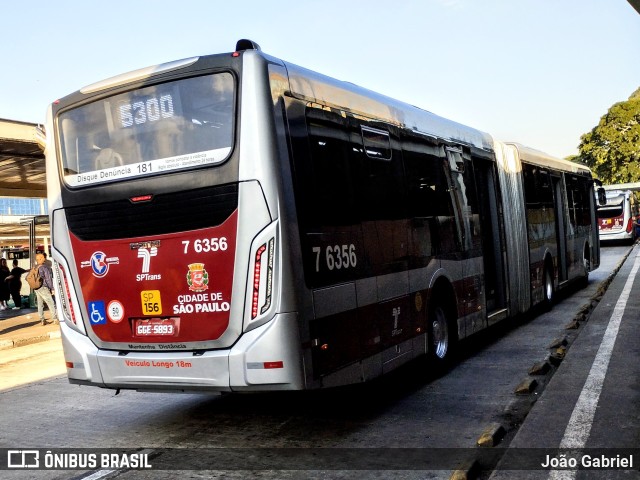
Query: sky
{"x":538,"y":72}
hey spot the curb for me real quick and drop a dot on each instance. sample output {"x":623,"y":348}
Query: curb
{"x":560,"y":346}
{"x":491,"y":435}
{"x":20,"y":342}
{"x":467,"y":471}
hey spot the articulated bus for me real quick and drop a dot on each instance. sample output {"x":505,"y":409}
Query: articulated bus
{"x":235,"y":222}
{"x":616,"y":217}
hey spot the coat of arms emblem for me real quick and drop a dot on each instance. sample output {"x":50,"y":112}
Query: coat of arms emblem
{"x":197,"y":277}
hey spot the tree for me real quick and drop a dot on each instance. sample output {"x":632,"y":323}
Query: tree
{"x":612,"y":148}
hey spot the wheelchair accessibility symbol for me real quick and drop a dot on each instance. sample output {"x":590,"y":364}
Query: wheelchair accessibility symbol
{"x":97,"y":312}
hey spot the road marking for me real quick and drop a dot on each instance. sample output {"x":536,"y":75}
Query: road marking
{"x":99,"y":474}
{"x":581,"y":421}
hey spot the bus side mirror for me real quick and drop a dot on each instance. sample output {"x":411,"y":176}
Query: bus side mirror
{"x":602,"y":196}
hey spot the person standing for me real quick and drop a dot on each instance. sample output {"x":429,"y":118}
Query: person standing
{"x":47,"y":262}
{"x":4,"y":286}
{"x":15,"y":284}
{"x":43,"y":294}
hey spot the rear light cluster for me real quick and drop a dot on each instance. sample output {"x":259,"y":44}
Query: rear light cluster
{"x":262,"y":278}
{"x":65,"y":300}
{"x":630,"y":225}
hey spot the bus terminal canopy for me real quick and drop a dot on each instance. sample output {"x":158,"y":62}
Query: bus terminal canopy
{"x":22,"y":171}
{"x":22,"y":174}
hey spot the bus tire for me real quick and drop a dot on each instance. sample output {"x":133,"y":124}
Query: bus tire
{"x":441,"y":334}
{"x":547,"y":288}
{"x":586,"y":263}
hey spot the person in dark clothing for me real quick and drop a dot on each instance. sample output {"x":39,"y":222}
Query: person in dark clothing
{"x":43,"y":294}
{"x":4,"y":286}
{"x":15,"y":284}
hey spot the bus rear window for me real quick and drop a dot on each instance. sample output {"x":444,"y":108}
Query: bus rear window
{"x":172,"y":126}
{"x":610,"y":212}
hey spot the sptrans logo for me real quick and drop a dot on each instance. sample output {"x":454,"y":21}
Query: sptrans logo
{"x":145,"y":254}
{"x":146,"y":250}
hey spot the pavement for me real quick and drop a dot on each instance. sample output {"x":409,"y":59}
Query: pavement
{"x":22,"y":327}
{"x":591,"y":406}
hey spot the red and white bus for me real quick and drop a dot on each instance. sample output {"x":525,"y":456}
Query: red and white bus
{"x":235,"y":222}
{"x":618,"y":216}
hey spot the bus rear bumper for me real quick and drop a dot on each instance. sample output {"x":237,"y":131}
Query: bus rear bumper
{"x":615,"y":236}
{"x":258,"y":361}
{"x":157,"y":370}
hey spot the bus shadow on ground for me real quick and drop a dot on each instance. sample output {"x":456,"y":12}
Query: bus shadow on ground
{"x":374,"y":397}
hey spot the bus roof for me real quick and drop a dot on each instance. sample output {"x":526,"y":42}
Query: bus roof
{"x":536,"y":157}
{"x":312,"y":86}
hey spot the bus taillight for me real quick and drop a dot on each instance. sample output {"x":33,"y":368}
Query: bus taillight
{"x":262,"y":272}
{"x":63,"y":286}
{"x":630,"y":225}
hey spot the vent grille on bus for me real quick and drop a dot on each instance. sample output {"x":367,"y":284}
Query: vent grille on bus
{"x":168,"y":213}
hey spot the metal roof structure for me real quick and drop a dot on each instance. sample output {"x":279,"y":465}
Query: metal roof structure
{"x":22,"y":171}
{"x":22,"y":174}
{"x":635,"y":187}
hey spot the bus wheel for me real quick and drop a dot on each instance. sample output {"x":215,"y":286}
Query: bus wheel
{"x":548,"y":289}
{"x":439,"y":335}
{"x":586,"y":263}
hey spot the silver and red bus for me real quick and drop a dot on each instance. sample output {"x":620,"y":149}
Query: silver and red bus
{"x":617,"y":218}
{"x":235,"y":222}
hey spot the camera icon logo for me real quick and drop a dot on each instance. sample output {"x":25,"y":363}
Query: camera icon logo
{"x":23,"y":459}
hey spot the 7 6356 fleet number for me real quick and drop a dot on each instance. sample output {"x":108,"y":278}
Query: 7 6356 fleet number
{"x":336,"y":257}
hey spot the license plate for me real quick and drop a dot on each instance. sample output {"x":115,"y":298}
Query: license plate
{"x":156,"y":327}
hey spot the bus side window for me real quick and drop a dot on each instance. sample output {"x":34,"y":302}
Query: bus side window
{"x":332,"y":196}
{"x":539,"y":205}
{"x":463,"y":190}
{"x":382,"y":194}
{"x":382,"y":182}
{"x":429,"y":202}
{"x":580,"y":205}
{"x":326,"y":182}
{"x":472,"y":208}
